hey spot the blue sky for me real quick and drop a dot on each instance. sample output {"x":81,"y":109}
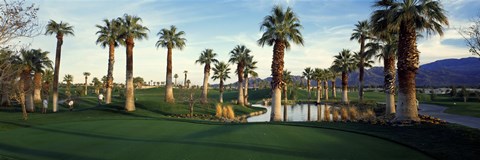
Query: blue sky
{"x":221,"y":25}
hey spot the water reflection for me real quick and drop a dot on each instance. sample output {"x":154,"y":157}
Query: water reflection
{"x":295,"y":113}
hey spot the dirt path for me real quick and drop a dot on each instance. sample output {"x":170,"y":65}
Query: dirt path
{"x":438,"y":112}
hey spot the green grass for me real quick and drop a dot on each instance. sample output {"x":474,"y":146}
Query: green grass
{"x":456,"y":105}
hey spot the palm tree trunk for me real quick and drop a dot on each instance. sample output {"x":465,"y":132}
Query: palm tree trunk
{"x":334,"y":90}
{"x":325,"y":87}
{"x":344,"y":87}
{"x":21,"y":89}
{"x":37,"y":93}
{"x":240,"y":84}
{"x":407,"y":68}
{"x":245,"y":93}
{"x":277,"y":76}
{"x":319,"y":113}
{"x":169,"y":87}
{"x":361,"y":68}
{"x":285,"y":103}
{"x":185,"y":81}
{"x":27,"y":90}
{"x":389,"y":72}
{"x":308,"y":112}
{"x":129,"y":93}
{"x":56,"y":71}
{"x":206,"y":74}
{"x":318,"y":92}
{"x":85,"y":86}
{"x":221,"y":90}
{"x":111,"y":61}
{"x":308,"y":89}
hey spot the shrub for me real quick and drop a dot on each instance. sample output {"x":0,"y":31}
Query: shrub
{"x":224,"y":112}
{"x":344,"y":113}
{"x":230,"y":112}
{"x":218,"y":112}
{"x":353,"y":113}
{"x":335,"y":115}
{"x":368,"y":115}
{"x":327,"y":114}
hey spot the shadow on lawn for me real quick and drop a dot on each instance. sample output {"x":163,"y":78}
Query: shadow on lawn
{"x":40,"y":153}
{"x":194,"y":139}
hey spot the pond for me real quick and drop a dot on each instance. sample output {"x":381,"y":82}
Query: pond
{"x":295,"y":113}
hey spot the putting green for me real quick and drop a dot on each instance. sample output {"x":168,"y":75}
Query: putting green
{"x":161,"y":139}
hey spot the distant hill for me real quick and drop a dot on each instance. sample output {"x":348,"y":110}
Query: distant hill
{"x":446,"y":72}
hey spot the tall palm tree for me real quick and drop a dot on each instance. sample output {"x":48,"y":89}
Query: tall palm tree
{"x":170,"y":39}
{"x":286,"y":80}
{"x":326,"y":76}
{"x":185,"y":72}
{"x":240,"y":56}
{"x":250,"y":66}
{"x":109,"y":35}
{"x":42,"y":63}
{"x":344,"y":62}
{"x":407,"y":17}
{"x":68,"y":79}
{"x":175,"y":76}
{"x":97,"y":84}
{"x":333,"y":78}
{"x":130,"y":29}
{"x":221,"y":72}
{"x":26,"y":61}
{"x":308,"y":74}
{"x":86,"y":74}
{"x":318,"y":75}
{"x":207,"y":57}
{"x":47,"y":78}
{"x":59,"y":29}
{"x":281,"y":27}
{"x":361,"y":33}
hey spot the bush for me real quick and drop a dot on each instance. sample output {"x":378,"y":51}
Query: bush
{"x":218,"y":111}
{"x":327,"y":114}
{"x":353,"y":113}
{"x":335,"y":115}
{"x":230,"y":112}
{"x":368,"y":115}
{"x":344,"y":113}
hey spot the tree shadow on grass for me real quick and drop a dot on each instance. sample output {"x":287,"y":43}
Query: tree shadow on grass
{"x":40,"y":153}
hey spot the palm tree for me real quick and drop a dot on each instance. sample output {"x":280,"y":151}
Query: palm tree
{"x":250,"y":66}
{"x":240,"y":55}
{"x":26,"y":62}
{"x":407,"y":17}
{"x":59,"y":29}
{"x":318,"y":75}
{"x":221,"y":72}
{"x":344,"y":62}
{"x":109,"y":35}
{"x":207,"y":57}
{"x":286,"y":80}
{"x":97,"y":84}
{"x":86,"y":74}
{"x":308,"y":74}
{"x":185,"y":79}
{"x":68,"y":79}
{"x":175,"y":76}
{"x":333,"y":78}
{"x":279,"y":28}
{"x":47,"y":78}
{"x":362,"y":34}
{"x":130,"y":30}
{"x":326,"y":76}
{"x":42,"y":62}
{"x":188,"y":83}
{"x":170,"y":39}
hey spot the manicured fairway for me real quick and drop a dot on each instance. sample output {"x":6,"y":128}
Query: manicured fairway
{"x":164,"y":139}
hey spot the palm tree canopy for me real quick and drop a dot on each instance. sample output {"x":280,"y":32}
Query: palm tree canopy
{"x":287,"y":77}
{"x":366,"y":63}
{"x":109,"y":33}
{"x":344,"y":61}
{"x":68,"y":78}
{"x":86,"y":74}
{"x":250,"y":66}
{"x":318,"y":74}
{"x":361,"y":32}
{"x":47,"y":75}
{"x":308,"y":73}
{"x":175,"y":76}
{"x":281,"y":26}
{"x":221,"y":71}
{"x":185,"y":71}
{"x":240,"y":55}
{"x":424,"y":15}
{"x":41,"y":60}
{"x":207,"y":57}
{"x":170,"y":38}
{"x":131,"y":28}
{"x":60,"y":29}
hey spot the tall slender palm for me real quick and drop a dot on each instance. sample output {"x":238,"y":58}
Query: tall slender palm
{"x":97,"y":84}
{"x":59,"y":29}
{"x":286,"y":80}
{"x":344,"y":62}
{"x":318,"y":75}
{"x":240,"y":55}
{"x":185,"y":72}
{"x":407,"y":17}
{"x":221,"y":71}
{"x":47,"y":78}
{"x":26,"y":62}
{"x":109,"y":35}
{"x":170,"y":39}
{"x":281,"y":27}
{"x":42,"y":63}
{"x":207,"y":57}
{"x":175,"y":76}
{"x":362,"y":34}
{"x":130,"y":29}
{"x":326,"y":76}
{"x":250,"y":66}
{"x":68,"y":79}
{"x":86,"y":74}
{"x":333,"y":78}
{"x":308,"y":74}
